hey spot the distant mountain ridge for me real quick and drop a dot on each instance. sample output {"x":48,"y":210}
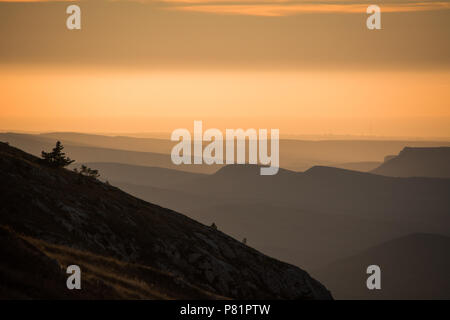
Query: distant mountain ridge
{"x":83,"y":152}
{"x":417,"y":162}
{"x":142,"y":175}
{"x":331,"y":190}
{"x":297,"y":155}
{"x":414,"y":266}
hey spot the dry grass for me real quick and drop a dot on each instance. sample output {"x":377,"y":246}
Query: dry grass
{"x":34,"y":268}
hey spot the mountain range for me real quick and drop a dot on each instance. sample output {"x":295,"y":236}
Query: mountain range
{"x":296,"y":155}
{"x":313,"y":219}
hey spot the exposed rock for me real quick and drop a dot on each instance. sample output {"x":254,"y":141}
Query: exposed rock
{"x":53,"y":205}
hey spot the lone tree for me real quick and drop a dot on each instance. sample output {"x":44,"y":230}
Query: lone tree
{"x":56,"y":158}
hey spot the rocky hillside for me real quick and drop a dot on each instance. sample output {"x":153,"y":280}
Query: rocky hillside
{"x":82,"y":217}
{"x":34,"y":268}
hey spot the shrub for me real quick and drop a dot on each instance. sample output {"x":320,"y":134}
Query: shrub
{"x":85,"y":171}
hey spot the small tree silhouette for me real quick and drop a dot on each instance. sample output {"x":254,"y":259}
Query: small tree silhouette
{"x":214,"y":226}
{"x":56,"y":158}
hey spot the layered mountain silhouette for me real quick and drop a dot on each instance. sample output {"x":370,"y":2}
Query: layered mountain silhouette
{"x":125,"y":246}
{"x":329,"y":190}
{"x":89,"y":152}
{"x":161,"y":146}
{"x":417,"y":162}
{"x":297,"y":155}
{"x":310,"y":219}
{"x":412,"y":267}
{"x":143,"y":175}
{"x":307,"y":218}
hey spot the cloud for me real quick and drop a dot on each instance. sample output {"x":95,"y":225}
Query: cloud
{"x":276,"y":8}
{"x":37,"y":0}
{"x":286,"y":8}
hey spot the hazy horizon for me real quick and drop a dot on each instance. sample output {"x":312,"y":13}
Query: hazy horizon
{"x":299,"y":136}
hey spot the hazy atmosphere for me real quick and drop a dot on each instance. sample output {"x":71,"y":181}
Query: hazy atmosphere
{"x":120,"y":178}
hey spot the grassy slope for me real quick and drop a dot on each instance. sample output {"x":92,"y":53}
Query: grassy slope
{"x":31,"y":266}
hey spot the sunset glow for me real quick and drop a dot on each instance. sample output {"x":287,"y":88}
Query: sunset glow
{"x":271,"y":64}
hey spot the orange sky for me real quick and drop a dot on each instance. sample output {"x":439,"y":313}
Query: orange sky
{"x":139,"y":68}
{"x":376,"y":103}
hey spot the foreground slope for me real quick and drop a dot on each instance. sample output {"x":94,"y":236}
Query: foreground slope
{"x":33,"y":268}
{"x":63,"y":208}
{"x":415,"y":266}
